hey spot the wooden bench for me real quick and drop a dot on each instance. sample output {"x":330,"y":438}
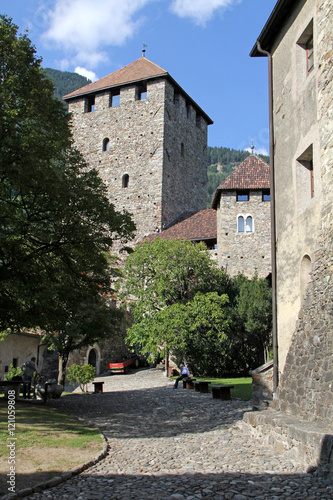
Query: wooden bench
{"x":188,"y":383}
{"x":221,"y":391}
{"x":201,"y":386}
{"x":98,"y":386}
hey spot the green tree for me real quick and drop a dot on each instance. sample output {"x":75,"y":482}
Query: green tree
{"x":57,"y":225}
{"x":160,"y":279}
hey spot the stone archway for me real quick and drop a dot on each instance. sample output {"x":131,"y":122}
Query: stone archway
{"x":93,"y":357}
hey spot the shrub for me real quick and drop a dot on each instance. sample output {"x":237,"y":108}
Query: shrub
{"x":13,"y":372}
{"x":81,"y":375}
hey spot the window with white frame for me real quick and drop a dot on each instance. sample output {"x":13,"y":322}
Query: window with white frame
{"x":249,"y":224}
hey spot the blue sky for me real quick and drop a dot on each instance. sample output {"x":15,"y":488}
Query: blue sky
{"x":203,"y":44}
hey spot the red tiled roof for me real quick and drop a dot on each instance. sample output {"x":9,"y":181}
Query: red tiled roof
{"x":197,"y":226}
{"x":253,"y":173}
{"x":141,"y":69}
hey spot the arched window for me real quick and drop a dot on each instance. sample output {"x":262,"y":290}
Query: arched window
{"x":240,"y":224}
{"x":106,"y":144}
{"x":249,"y":224}
{"x":305,"y":273}
{"x":125,"y":181}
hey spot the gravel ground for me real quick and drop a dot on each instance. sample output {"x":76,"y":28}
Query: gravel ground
{"x":177,"y":444}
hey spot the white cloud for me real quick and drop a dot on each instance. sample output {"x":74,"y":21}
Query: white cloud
{"x":200,"y":11}
{"x":85,"y":72}
{"x":83,"y":27}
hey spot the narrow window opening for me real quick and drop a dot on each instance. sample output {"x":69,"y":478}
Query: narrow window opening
{"x":115,"y":99}
{"x":176,"y":98}
{"x":188,"y":111}
{"x":304,"y":177}
{"x":182,"y":149}
{"x":242,"y":195}
{"x":125,"y":181}
{"x":240,"y":224}
{"x":106,"y":144}
{"x":198,"y":121}
{"x":306,"y":52}
{"x":141,"y":93}
{"x":249,"y":224}
{"x":266,"y":195}
{"x":90,"y":103}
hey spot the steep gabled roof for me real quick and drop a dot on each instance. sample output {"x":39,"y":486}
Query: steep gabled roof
{"x":253,"y":173}
{"x":193,"y":226}
{"x":138,"y":71}
{"x":141,"y":69}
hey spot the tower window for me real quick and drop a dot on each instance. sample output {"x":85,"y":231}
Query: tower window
{"x":240,"y":224}
{"x":266,"y":195}
{"x":242,"y":196}
{"x":198,"y":121}
{"x":176,"y":98}
{"x":106,"y":144}
{"x":90,"y":104}
{"x":115,"y":99}
{"x":125,"y":181}
{"x":141,"y":94}
{"x":188,"y":111}
{"x":182,"y":149}
{"x":249,"y":224}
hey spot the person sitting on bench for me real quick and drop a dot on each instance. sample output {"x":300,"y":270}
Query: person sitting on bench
{"x":183,"y":374}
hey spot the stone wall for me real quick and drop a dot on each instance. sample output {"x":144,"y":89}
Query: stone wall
{"x":244,"y":252}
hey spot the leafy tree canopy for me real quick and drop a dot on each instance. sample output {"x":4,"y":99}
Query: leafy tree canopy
{"x":57,"y":225}
{"x":182,"y":302}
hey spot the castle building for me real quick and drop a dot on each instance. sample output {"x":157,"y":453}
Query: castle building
{"x":297,"y":40}
{"x":148,"y":140}
{"x":242,"y":203}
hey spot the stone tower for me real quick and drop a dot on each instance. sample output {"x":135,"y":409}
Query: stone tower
{"x":148,"y":140}
{"x":242,"y":203}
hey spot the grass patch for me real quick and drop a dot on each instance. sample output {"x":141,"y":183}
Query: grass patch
{"x":242,"y":389}
{"x":48,"y":443}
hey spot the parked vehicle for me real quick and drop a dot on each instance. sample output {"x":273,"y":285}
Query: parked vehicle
{"x":129,"y":361}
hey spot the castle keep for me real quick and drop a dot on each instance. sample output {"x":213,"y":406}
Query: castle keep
{"x":148,"y":140}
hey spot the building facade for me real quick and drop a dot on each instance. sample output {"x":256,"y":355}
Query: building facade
{"x":298,"y":40}
{"x":242,"y":203}
{"x":148,"y":140}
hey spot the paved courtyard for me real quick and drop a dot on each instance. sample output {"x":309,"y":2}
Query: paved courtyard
{"x":177,"y":444}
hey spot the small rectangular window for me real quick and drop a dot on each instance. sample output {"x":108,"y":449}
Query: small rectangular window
{"x":305,"y":51}
{"x":141,"y":92}
{"x":266,"y":196}
{"x":90,"y":103}
{"x":115,"y":99}
{"x":242,"y":196}
{"x":188,"y":111}
{"x":198,"y":121}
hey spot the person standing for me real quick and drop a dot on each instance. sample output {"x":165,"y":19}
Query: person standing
{"x":29,"y":368}
{"x":183,"y":374}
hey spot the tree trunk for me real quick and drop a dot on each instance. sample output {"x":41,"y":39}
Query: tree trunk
{"x":62,"y":369}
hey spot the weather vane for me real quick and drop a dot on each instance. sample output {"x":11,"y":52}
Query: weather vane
{"x":144,"y":50}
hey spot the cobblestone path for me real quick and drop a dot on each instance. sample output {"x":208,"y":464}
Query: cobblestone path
{"x":177,"y":444}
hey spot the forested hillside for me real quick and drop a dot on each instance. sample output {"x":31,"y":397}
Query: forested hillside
{"x":65,"y":82}
{"x":221,"y":162}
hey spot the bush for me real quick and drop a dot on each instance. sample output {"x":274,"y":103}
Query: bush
{"x":81,"y":375}
{"x":13,"y":372}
